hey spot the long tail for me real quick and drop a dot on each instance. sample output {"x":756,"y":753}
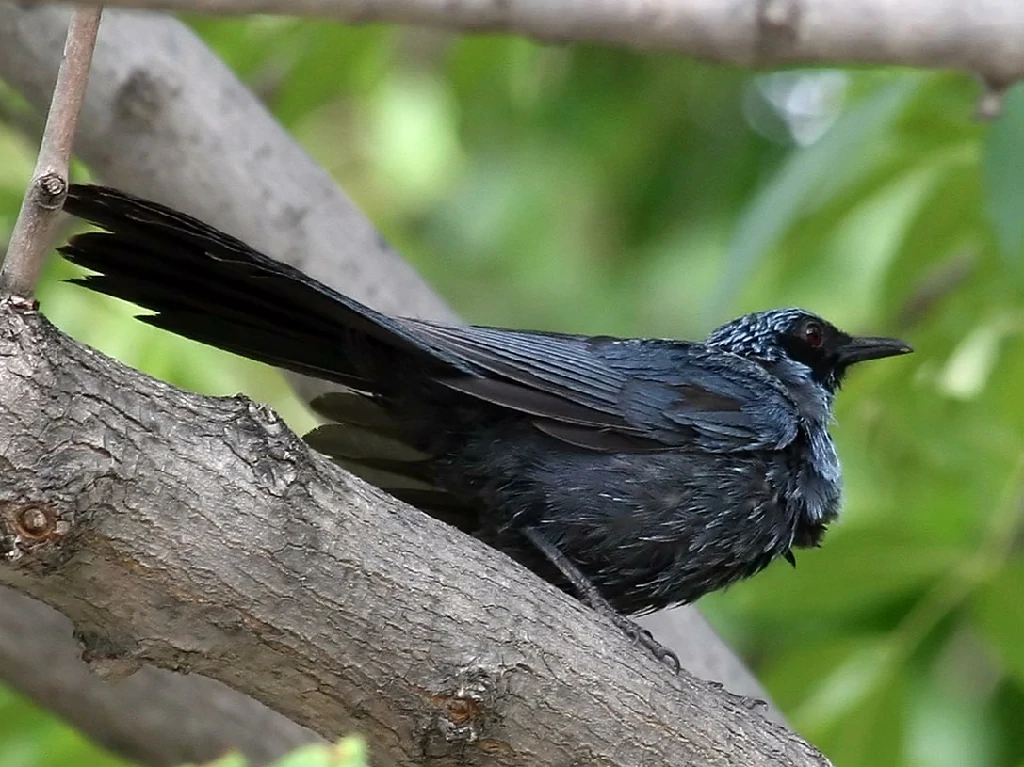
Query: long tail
{"x":213,"y":288}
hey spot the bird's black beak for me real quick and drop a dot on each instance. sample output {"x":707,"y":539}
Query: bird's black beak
{"x":869,"y":348}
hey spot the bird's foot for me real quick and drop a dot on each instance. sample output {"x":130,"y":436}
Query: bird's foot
{"x":591,"y":596}
{"x":645,"y":639}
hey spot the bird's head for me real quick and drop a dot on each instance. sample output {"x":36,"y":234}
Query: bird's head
{"x":806,"y":343}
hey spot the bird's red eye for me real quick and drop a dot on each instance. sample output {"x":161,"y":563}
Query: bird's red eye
{"x":813,"y":334}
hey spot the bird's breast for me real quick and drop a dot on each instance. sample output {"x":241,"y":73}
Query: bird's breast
{"x":660,"y":529}
{"x":816,"y":475}
{"x":816,"y":488}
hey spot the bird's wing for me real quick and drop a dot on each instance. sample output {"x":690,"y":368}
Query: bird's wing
{"x":621,"y":395}
{"x":729,"y":402}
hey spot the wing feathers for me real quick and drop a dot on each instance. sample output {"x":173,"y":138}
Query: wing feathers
{"x":595,"y":393}
{"x":629,"y":395}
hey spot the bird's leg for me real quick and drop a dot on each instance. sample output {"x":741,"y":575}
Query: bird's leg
{"x":589,"y":594}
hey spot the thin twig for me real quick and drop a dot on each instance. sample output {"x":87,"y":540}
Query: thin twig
{"x":41,"y":207}
{"x":938,"y":284}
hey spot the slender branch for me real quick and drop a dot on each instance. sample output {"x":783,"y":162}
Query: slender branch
{"x":949,"y":34}
{"x":40,"y":210}
{"x":240,"y":554}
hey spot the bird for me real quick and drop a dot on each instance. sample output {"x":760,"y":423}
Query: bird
{"x":635,"y":474}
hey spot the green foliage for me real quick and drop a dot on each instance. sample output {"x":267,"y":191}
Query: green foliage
{"x":594,"y":190}
{"x":819,"y":173}
{"x":350,"y":752}
{"x":31,"y":737}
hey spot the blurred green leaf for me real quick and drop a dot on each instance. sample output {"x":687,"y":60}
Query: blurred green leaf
{"x":950,"y":727}
{"x":872,"y":733}
{"x":999,"y":615}
{"x":329,"y":59}
{"x":30,"y":737}
{"x":799,"y":669}
{"x":858,"y":569}
{"x":348,"y":752}
{"x":809,"y":176}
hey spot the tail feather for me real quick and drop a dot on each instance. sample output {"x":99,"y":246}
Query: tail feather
{"x":364,"y":439}
{"x":395,"y":467}
{"x":214,"y":288}
{"x":135,"y":270}
{"x":357,"y":409}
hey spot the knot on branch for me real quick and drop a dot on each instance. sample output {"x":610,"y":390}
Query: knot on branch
{"x":467,"y":713}
{"x":108,"y":658}
{"x":778,"y":28}
{"x":49,"y":190}
{"x":26,"y":525}
{"x":142,"y":97}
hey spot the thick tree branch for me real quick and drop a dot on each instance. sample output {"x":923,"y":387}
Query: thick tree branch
{"x":981,"y":37}
{"x":240,"y":554}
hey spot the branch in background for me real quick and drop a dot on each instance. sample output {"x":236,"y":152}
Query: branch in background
{"x":983,"y":38}
{"x":40,"y":210}
{"x":148,"y":702}
{"x":241,"y":554}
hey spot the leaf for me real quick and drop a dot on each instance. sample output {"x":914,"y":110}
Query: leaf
{"x":347,"y":752}
{"x":871,"y":734}
{"x":31,"y":737}
{"x":800,"y":669}
{"x":844,"y":151}
{"x":999,"y":616}
{"x":947,"y":227}
{"x":1003,"y":167}
{"x":331,"y":62}
{"x":946,"y":729}
{"x":857,"y":571}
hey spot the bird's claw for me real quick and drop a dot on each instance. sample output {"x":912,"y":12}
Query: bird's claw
{"x":644,"y":638}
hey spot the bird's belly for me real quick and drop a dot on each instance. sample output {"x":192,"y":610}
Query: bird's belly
{"x":649,"y":530}
{"x":653,"y":530}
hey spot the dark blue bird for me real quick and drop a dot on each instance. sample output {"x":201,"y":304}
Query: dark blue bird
{"x":634,"y":473}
